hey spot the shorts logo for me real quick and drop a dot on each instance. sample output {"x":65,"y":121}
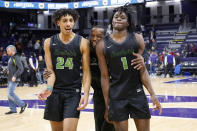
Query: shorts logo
{"x":109,"y":46}
{"x":139,"y":90}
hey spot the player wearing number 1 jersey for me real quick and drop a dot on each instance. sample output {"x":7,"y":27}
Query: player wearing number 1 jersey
{"x":65,"y":54}
{"x":124,"y":93}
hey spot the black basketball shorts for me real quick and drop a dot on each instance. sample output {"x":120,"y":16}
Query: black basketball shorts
{"x":135,"y":106}
{"x":62,"y":105}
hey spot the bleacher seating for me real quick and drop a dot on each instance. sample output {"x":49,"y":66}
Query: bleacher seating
{"x":189,"y":64}
{"x":164,"y":35}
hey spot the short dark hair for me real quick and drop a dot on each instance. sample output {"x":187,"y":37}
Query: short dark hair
{"x":100,"y":27}
{"x":62,"y":12}
{"x":128,"y":10}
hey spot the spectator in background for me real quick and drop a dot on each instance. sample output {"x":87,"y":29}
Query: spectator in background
{"x":151,"y":38}
{"x":1,"y":52}
{"x":153,"y":62}
{"x":170,"y":64}
{"x":185,"y":51}
{"x":19,"y":45}
{"x":41,"y":67}
{"x":37,"y":47}
{"x":147,"y":45}
{"x":12,"y":39}
{"x":192,"y":50}
{"x":4,"y":59}
{"x":146,"y":56}
{"x":154,"y":45}
{"x":30,"y":45}
{"x":177,"y":58}
{"x":178,"y":66}
{"x":173,"y":52}
{"x":162,"y":57}
{"x":24,"y":76}
{"x":33,"y":62}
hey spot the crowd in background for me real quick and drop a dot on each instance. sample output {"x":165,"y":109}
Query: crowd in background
{"x":31,"y":51}
{"x":30,"y":47}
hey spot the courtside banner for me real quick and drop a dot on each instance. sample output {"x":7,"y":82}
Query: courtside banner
{"x":71,"y":5}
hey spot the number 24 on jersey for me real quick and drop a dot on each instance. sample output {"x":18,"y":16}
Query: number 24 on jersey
{"x":61,"y":63}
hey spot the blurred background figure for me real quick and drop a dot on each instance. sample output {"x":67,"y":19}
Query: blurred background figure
{"x":170,"y":64}
{"x":41,"y":67}
{"x":33,"y":65}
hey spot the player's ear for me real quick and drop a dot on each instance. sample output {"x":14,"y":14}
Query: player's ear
{"x":58,"y":23}
{"x":127,"y":23}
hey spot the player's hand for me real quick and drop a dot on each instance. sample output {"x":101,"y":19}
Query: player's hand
{"x":44,"y":94}
{"x":13,"y":79}
{"x":47,"y":73}
{"x":156,"y":104}
{"x":106,"y":116}
{"x":83,"y":102}
{"x":138,"y":62}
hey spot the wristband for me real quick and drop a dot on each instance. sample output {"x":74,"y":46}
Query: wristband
{"x":50,"y":88}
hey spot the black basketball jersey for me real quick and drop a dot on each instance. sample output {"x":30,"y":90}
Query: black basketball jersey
{"x":66,"y":60}
{"x":95,"y":71}
{"x":124,"y":79}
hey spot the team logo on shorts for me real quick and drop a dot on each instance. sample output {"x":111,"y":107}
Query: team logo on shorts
{"x":41,"y":5}
{"x":76,"y":5}
{"x":105,"y":2}
{"x":7,"y":4}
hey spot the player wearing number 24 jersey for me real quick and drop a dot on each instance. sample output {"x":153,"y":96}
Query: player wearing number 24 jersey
{"x":66,"y":54}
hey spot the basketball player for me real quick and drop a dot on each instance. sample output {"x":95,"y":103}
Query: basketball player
{"x":127,"y":97}
{"x":97,"y":33}
{"x":63,"y":55}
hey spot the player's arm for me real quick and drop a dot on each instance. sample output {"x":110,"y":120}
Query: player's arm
{"x":143,"y":72}
{"x":104,"y":74}
{"x":86,"y":80}
{"x":144,"y":76}
{"x":51,"y":80}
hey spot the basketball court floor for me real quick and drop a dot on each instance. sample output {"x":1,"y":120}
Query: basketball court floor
{"x":178,"y":97}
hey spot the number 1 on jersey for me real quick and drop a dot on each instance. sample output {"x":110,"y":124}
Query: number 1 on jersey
{"x":124,"y":63}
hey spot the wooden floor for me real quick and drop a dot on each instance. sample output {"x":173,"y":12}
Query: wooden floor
{"x":179,"y":102}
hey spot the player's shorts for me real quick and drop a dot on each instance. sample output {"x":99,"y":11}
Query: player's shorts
{"x":62,"y":105}
{"x":135,"y":106}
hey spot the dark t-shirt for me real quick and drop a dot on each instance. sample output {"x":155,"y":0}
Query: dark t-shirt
{"x":95,"y":71}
